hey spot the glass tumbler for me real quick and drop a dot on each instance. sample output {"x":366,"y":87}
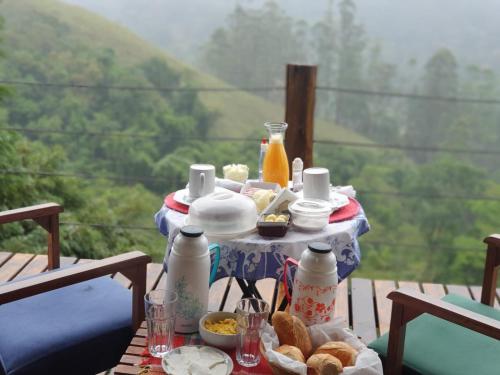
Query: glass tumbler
{"x":252,"y":314}
{"x":160,"y":317}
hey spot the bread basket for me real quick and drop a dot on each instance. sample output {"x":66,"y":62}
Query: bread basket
{"x":276,"y":369}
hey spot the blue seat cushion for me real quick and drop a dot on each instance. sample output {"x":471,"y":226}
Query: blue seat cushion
{"x":436,"y":346}
{"x":79,"y":329}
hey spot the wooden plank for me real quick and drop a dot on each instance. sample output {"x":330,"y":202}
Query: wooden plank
{"x":4,"y":256}
{"x":363,"y":312}
{"x":138,"y":341}
{"x":342,"y":302}
{"x":67,"y":261}
{"x":14,"y":265}
{"x":280,"y":296}
{"x":130,"y":359}
{"x":142,"y":332}
{"x":37,"y":265}
{"x":384,"y":305}
{"x":134,"y":350}
{"x":162,"y":283}
{"x":233,"y":296}
{"x":153,"y":274}
{"x":126,"y":283}
{"x":409,"y":284}
{"x":126,"y":370}
{"x":460,"y":290}
{"x":435,"y":290}
{"x":216,"y":293}
{"x":266,"y":289}
{"x":476,"y":294}
{"x":83,"y":261}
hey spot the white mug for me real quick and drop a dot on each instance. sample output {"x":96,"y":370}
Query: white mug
{"x":201,"y":180}
{"x":317,"y":183}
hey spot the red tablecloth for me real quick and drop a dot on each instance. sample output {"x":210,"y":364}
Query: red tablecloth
{"x":345,"y":213}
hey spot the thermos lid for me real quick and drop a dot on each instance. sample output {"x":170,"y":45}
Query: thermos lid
{"x":191,"y":231}
{"x":319,"y":247}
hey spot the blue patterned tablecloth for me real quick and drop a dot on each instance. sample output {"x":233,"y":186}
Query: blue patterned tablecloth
{"x":253,"y":257}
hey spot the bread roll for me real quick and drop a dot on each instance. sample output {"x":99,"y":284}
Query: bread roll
{"x":292,"y":352}
{"x":291,"y":331}
{"x":323,"y":364}
{"x":346,"y":353}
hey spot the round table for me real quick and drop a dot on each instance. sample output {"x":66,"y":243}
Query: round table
{"x":253,"y":257}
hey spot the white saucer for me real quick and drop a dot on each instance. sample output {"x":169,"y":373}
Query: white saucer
{"x":337,"y":200}
{"x":182,"y":196}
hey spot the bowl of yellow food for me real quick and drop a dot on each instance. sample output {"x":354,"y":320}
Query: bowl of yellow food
{"x":219,"y":329}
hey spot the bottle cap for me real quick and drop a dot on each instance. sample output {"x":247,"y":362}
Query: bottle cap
{"x":191,"y":231}
{"x":319,"y":247}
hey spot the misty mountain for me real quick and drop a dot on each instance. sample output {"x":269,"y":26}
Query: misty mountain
{"x":405,"y":29}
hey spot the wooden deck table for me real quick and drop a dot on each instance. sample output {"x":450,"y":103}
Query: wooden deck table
{"x":136,"y":358}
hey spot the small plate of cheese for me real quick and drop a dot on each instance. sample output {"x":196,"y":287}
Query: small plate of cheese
{"x":197,"y":360}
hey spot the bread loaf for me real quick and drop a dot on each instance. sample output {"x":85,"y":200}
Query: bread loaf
{"x":346,"y":353}
{"x":323,"y":364}
{"x":292,"y":352}
{"x":291,"y":331}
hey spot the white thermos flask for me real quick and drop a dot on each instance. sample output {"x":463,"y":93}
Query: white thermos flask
{"x":188,"y":274}
{"x":314,"y":285}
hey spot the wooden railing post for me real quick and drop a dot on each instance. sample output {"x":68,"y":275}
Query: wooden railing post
{"x":299,"y":112}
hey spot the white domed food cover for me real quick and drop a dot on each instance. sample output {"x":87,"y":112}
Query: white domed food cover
{"x":223,"y":214}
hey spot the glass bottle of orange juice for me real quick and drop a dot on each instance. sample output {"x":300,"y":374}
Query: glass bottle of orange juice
{"x":275,"y":168}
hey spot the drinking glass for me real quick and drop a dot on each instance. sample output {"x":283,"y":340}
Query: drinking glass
{"x":252,"y":314}
{"x":160,"y":317}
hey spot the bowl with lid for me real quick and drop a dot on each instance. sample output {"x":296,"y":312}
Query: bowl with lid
{"x":310,"y":214}
{"x":223,"y":214}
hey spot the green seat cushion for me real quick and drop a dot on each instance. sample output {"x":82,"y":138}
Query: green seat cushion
{"x":435,"y":346}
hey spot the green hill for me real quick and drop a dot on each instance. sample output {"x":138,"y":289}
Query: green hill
{"x":60,"y":25}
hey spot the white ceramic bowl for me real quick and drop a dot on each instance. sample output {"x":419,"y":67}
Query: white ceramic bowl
{"x":223,"y":214}
{"x":216,"y":339}
{"x":310,"y":214}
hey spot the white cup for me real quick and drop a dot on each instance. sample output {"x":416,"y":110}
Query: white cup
{"x":201,"y":180}
{"x":317,"y":183}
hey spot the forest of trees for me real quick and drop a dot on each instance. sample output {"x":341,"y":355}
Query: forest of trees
{"x":109,"y":155}
{"x":415,"y":232}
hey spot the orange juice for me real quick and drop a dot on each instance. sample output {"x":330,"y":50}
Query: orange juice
{"x":275,"y":168}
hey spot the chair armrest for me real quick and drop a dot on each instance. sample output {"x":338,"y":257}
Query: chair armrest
{"x":420,"y":303}
{"x":132,"y":265}
{"x":408,"y":304}
{"x":31,"y":212}
{"x":47,"y":216}
{"x":491,"y":266}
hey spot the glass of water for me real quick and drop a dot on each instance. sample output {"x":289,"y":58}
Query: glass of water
{"x":160,"y":317}
{"x":252,"y":314}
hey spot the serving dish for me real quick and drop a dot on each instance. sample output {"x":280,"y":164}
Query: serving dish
{"x":217,"y":339}
{"x":273,"y":228}
{"x":223,"y":214}
{"x":172,"y":357}
{"x":310,"y":214}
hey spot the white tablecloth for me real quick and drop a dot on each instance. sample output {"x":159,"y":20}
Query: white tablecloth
{"x":253,"y":257}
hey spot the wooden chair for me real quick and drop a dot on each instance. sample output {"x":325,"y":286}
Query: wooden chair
{"x":455,"y":329}
{"x":68,"y":308}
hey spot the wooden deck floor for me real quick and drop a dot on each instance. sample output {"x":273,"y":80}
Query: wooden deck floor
{"x":361,"y":303}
